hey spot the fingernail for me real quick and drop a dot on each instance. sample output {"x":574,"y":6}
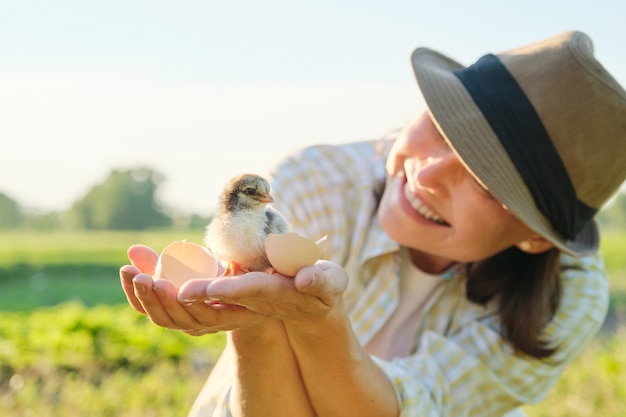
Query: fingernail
{"x":127,"y":275}
{"x":186,"y":300}
{"x":141,"y":289}
{"x":160,"y":292}
{"x":214,"y":297}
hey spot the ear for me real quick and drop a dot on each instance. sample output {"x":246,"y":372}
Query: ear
{"x":535,"y":244}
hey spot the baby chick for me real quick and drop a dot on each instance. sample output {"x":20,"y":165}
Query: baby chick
{"x":243,"y":220}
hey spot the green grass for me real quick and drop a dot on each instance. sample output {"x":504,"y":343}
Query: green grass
{"x":166,"y":390}
{"x":80,"y":247}
{"x":25,"y":287}
{"x":45,"y":269}
{"x":613,"y":246}
{"x":71,"y":360}
{"x":594,"y":385}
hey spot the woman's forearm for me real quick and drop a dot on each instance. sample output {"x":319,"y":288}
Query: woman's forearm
{"x":307,"y":361}
{"x":340,"y":377}
{"x":268,"y":380}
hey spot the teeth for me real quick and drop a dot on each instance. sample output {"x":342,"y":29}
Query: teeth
{"x":420,"y":207}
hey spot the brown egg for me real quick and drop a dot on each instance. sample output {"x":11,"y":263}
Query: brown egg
{"x":290,"y":252}
{"x":181,"y":261}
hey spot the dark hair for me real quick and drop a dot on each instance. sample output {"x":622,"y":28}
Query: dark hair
{"x":528,"y":291}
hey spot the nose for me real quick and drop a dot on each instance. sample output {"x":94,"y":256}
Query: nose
{"x":435,"y":174}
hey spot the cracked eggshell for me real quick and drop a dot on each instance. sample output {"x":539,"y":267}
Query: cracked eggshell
{"x":290,"y":252}
{"x":181,"y":261}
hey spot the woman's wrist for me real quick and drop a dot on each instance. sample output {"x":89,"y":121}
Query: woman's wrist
{"x":267,"y":332}
{"x":267,"y":376}
{"x":327,"y":349}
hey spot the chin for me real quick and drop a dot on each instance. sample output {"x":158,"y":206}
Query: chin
{"x":395,"y":225}
{"x":391,"y":215}
{"x":388,"y":212}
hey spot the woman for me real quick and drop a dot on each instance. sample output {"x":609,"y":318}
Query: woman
{"x":461,"y":273}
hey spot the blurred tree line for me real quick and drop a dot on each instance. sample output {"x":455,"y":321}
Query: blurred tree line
{"x":126,"y":200}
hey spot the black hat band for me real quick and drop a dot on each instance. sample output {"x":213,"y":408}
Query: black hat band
{"x":517,"y":125}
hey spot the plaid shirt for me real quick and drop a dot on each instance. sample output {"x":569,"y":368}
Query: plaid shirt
{"x":460,"y":366}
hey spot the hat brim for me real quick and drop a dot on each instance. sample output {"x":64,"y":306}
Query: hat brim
{"x":469,"y":134}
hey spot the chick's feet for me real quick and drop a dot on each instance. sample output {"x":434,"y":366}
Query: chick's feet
{"x":233,"y":268}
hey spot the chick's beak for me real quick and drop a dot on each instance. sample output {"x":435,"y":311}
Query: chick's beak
{"x":266,"y":198}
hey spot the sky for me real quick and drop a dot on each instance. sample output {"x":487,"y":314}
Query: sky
{"x":200,"y":91}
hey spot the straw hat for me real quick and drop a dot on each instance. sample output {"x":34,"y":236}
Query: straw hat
{"x":543,"y":127}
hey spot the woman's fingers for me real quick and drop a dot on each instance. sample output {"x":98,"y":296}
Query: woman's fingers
{"x":180,"y":317}
{"x":158,"y":299}
{"x":253,"y":290}
{"x":313,"y":291}
{"x":325,"y":280}
{"x":127,"y":273}
{"x":194,"y":291}
{"x":213,"y":313}
{"x":194,"y":315}
{"x":199,"y":308}
{"x":144,"y":258}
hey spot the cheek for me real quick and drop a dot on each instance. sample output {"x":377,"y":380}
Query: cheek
{"x":394,"y":161}
{"x":387,"y":204}
{"x":491,"y":228}
{"x":391,"y":217}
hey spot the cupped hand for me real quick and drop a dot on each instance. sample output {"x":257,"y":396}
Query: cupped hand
{"x":159,"y":299}
{"x":311,"y":294}
{"x":143,"y":262}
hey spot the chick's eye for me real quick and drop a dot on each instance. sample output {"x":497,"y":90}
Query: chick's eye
{"x":250,"y":191}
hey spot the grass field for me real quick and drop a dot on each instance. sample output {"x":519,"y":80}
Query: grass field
{"x":44,"y":269}
{"x":70,"y":346}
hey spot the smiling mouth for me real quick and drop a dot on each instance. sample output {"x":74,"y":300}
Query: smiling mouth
{"x":421,"y":209}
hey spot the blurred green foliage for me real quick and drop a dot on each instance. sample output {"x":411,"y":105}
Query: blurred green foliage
{"x":11,"y":216}
{"x":594,"y":385}
{"x":73,"y":338}
{"x":125,"y":201}
{"x":70,"y":360}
